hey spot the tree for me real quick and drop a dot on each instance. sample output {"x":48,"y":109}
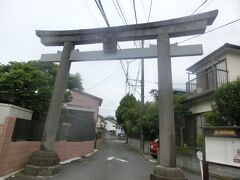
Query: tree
{"x":154,"y":94}
{"x":128,"y":114}
{"x":226,"y":110}
{"x":75,"y":81}
{"x":150,"y":120}
{"x":180,"y":109}
{"x":29,"y":84}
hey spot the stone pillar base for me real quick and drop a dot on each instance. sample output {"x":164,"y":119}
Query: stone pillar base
{"x":166,"y":173}
{"x":42,"y":163}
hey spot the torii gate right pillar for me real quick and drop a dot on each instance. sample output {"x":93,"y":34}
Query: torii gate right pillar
{"x":167,"y":168}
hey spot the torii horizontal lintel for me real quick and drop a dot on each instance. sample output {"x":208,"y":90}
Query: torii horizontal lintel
{"x":133,"y":53}
{"x":189,"y":25}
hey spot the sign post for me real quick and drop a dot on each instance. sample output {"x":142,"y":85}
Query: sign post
{"x":200,"y":157}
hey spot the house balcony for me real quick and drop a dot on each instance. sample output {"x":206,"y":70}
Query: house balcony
{"x":206,"y":83}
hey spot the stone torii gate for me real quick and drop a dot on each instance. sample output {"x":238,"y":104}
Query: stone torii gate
{"x":162,"y":31}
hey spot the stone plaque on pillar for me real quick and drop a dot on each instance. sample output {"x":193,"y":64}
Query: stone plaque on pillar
{"x":109,"y":43}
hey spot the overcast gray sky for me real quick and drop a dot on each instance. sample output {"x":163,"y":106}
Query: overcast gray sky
{"x":20,"y":18}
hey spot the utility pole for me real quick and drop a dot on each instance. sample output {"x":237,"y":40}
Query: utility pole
{"x":142,"y":103}
{"x":126,"y":83}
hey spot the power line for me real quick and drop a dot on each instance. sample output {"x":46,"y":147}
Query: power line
{"x":118,"y":12}
{"x":124,"y":20}
{"x":91,"y":13}
{"x":149,"y":14}
{"x":135,"y":12}
{"x":205,"y":6}
{"x":106,"y":78}
{"x":199,"y":7}
{"x":101,"y":9}
{"x":136,"y":80}
{"x":122,"y":12}
{"x":144,"y":11}
{"x":210,"y":30}
{"x":150,"y":9}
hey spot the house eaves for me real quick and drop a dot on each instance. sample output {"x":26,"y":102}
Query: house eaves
{"x":78,"y":108}
{"x":200,"y":97}
{"x":89,"y":95}
{"x":115,"y":122}
{"x":217,"y":53}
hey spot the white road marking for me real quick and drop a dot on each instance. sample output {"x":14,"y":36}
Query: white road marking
{"x":118,"y":159}
{"x":154,"y":161}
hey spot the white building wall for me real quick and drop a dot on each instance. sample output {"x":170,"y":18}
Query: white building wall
{"x":15,"y":111}
{"x":118,"y":130}
{"x":233,"y":66}
{"x":110,"y":126}
{"x":201,"y":107}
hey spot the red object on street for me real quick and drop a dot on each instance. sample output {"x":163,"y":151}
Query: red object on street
{"x":154,"y":148}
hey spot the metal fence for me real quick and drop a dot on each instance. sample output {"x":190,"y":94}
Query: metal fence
{"x":75,"y":126}
{"x":206,"y":82}
{"x":27,"y":130}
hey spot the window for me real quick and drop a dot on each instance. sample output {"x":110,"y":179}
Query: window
{"x":221,"y":65}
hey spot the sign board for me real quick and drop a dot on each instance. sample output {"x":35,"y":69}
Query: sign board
{"x":223,"y":146}
{"x":236,"y":152}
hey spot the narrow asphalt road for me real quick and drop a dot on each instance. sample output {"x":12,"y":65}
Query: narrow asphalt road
{"x":115,"y":161}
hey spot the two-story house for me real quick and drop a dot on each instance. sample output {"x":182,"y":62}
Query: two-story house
{"x":82,"y":116}
{"x":112,"y":125}
{"x":204,"y":77}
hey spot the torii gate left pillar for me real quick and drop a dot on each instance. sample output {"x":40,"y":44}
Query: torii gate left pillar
{"x":45,"y":160}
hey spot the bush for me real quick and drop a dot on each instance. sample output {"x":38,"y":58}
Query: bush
{"x":212,"y":119}
{"x":227,"y":99}
{"x":185,"y":149}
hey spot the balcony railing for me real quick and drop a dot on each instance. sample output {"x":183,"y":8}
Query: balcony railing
{"x":206,"y":83}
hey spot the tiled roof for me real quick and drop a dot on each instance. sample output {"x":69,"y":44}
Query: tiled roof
{"x":74,"y":93}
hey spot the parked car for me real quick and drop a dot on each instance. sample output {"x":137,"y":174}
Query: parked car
{"x":154,"y":148}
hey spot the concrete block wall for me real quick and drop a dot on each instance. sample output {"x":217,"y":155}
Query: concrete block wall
{"x":188,"y":161}
{"x":14,"y":155}
{"x":191,"y":163}
{"x":135,"y":143}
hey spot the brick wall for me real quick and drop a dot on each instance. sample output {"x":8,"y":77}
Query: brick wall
{"x":14,"y":155}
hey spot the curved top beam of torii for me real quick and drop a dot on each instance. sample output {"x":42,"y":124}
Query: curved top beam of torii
{"x":189,"y":25}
